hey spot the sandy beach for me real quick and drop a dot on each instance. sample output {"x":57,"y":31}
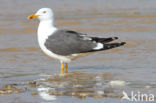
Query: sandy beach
{"x":27,"y":75}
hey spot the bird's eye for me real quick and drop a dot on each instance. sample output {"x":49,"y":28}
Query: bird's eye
{"x":44,"y":12}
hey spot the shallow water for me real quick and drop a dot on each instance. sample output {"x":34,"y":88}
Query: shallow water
{"x":97,"y":78}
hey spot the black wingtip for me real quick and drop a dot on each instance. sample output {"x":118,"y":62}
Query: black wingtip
{"x":123,"y":43}
{"x":114,"y":38}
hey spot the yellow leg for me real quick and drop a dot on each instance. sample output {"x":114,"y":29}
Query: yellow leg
{"x":66,"y":68}
{"x":62,"y":68}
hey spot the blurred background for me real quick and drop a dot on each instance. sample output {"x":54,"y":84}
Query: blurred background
{"x":133,"y":21}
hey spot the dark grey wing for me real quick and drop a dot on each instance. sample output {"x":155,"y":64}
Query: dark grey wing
{"x":65,"y":42}
{"x":103,"y":40}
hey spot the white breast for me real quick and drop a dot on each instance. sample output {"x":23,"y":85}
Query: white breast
{"x":44,"y":31}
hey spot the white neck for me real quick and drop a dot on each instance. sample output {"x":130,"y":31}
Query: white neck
{"x":46,"y":26}
{"x":45,"y":29}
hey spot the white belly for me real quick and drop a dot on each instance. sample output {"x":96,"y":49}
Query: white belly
{"x":65,"y":59}
{"x":44,"y":31}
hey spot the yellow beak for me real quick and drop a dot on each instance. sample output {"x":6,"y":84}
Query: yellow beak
{"x":32,"y":16}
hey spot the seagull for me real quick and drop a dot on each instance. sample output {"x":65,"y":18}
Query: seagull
{"x":67,"y":45}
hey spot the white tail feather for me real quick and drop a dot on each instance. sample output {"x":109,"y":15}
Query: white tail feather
{"x":98,"y":46}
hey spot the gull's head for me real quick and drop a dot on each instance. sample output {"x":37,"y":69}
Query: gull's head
{"x":42,"y":14}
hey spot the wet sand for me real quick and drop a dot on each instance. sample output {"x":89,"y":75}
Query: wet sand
{"x":27,"y":75}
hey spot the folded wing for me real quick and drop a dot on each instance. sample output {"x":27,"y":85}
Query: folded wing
{"x":65,"y":42}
